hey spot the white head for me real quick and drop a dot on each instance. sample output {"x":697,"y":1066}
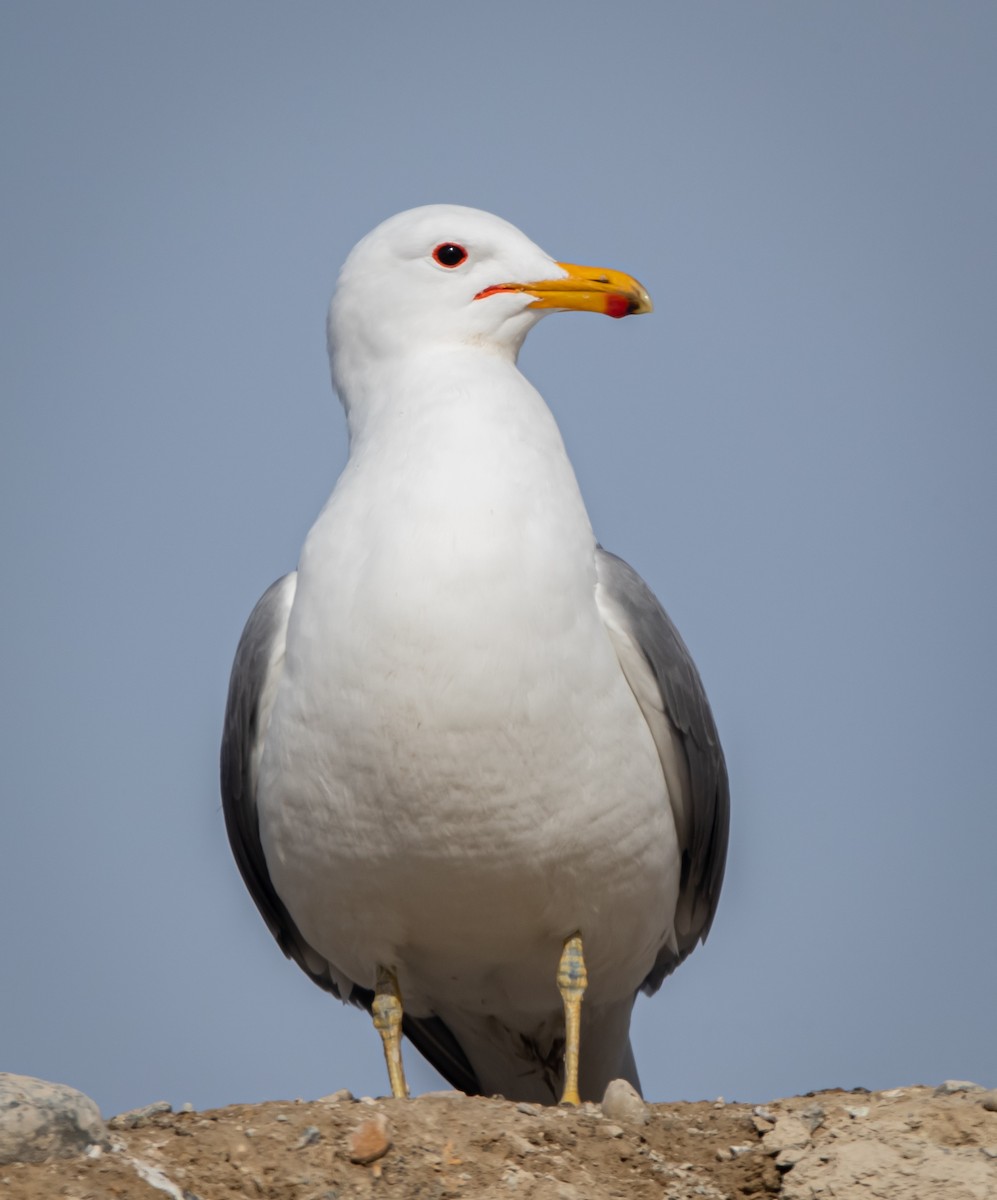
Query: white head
{"x":449,"y":275}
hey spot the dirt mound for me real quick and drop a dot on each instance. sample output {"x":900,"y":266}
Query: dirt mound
{"x":905,"y":1143}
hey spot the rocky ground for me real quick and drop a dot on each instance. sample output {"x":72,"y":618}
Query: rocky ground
{"x":896,"y":1145}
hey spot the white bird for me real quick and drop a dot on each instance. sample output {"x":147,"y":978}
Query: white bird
{"x":469,"y":770}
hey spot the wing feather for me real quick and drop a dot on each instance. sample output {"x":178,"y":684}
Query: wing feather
{"x":667,"y":687}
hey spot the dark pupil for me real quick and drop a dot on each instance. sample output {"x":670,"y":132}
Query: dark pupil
{"x":450,"y":255}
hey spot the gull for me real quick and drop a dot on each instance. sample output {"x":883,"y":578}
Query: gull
{"x":469,"y":772}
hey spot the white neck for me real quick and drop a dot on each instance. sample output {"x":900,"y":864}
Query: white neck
{"x":459,"y":478}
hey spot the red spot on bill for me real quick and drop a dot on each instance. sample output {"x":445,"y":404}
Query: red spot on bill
{"x":617,"y":306}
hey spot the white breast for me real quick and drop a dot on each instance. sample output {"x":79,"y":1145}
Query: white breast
{"x":456,"y":775}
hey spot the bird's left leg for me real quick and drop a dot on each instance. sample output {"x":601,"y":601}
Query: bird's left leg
{"x":387,"y":1013}
{"x":572,"y":980}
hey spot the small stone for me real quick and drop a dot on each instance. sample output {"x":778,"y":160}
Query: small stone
{"x":720,"y":1102}
{"x":789,"y":1135}
{"x":343,"y":1096}
{"x":136,"y":1117}
{"x":370,"y":1140}
{"x":724,"y":1155}
{"x":893,"y":1093}
{"x":186,"y":1107}
{"x":518,"y":1145}
{"x":951,"y":1086}
{"x":41,"y":1120}
{"x":622,"y":1103}
{"x":813,"y":1116}
{"x":989,"y":1151}
{"x":740,"y":1151}
{"x":513,"y":1177}
{"x":528,"y":1110}
{"x":610,"y":1131}
{"x":763,"y":1114}
{"x":787,"y":1159}
{"x":861,"y":1110}
{"x":989,"y":1101}
{"x":309,"y":1137}
{"x":282,"y":1118}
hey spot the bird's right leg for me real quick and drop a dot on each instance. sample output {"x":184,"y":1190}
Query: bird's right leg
{"x":387,"y":1013}
{"x":572,"y":980}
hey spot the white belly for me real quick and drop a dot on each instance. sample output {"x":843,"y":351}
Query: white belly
{"x":460,"y":826}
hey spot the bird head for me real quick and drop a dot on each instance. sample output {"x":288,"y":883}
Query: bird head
{"x":449,"y":275}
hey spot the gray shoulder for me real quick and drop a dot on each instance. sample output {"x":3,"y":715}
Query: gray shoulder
{"x":256,"y":674}
{"x":666,"y":684}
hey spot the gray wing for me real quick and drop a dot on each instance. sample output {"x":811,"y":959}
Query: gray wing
{"x":256,"y":673}
{"x":668,"y":689}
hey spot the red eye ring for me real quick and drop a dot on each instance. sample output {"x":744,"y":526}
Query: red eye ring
{"x":450,"y":254}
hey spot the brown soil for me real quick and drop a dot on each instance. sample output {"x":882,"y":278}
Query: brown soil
{"x":908,"y":1143}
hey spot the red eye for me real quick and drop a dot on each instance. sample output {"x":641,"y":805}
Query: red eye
{"x":449,"y":254}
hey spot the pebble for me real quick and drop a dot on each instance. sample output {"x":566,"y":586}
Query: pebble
{"x":41,"y":1120}
{"x":951,"y":1086}
{"x":989,"y":1151}
{"x":528,"y":1110}
{"x":989,"y":1101}
{"x":518,"y":1145}
{"x":611,"y":1131}
{"x":370,"y":1140}
{"x":622,"y":1103}
{"x":136,"y":1117}
{"x":813,"y":1116}
{"x":309,"y":1137}
{"x":763,"y":1114}
{"x":861,"y":1110}
{"x":343,"y":1096}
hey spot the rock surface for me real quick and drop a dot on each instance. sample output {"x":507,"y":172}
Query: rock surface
{"x":895,"y":1145}
{"x":41,"y":1120}
{"x":622,"y":1103}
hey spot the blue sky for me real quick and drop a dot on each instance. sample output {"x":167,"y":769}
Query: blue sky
{"x":797,"y":451}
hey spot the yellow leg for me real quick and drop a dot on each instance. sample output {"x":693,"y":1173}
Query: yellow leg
{"x":387,"y":1013}
{"x":572,"y":981}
